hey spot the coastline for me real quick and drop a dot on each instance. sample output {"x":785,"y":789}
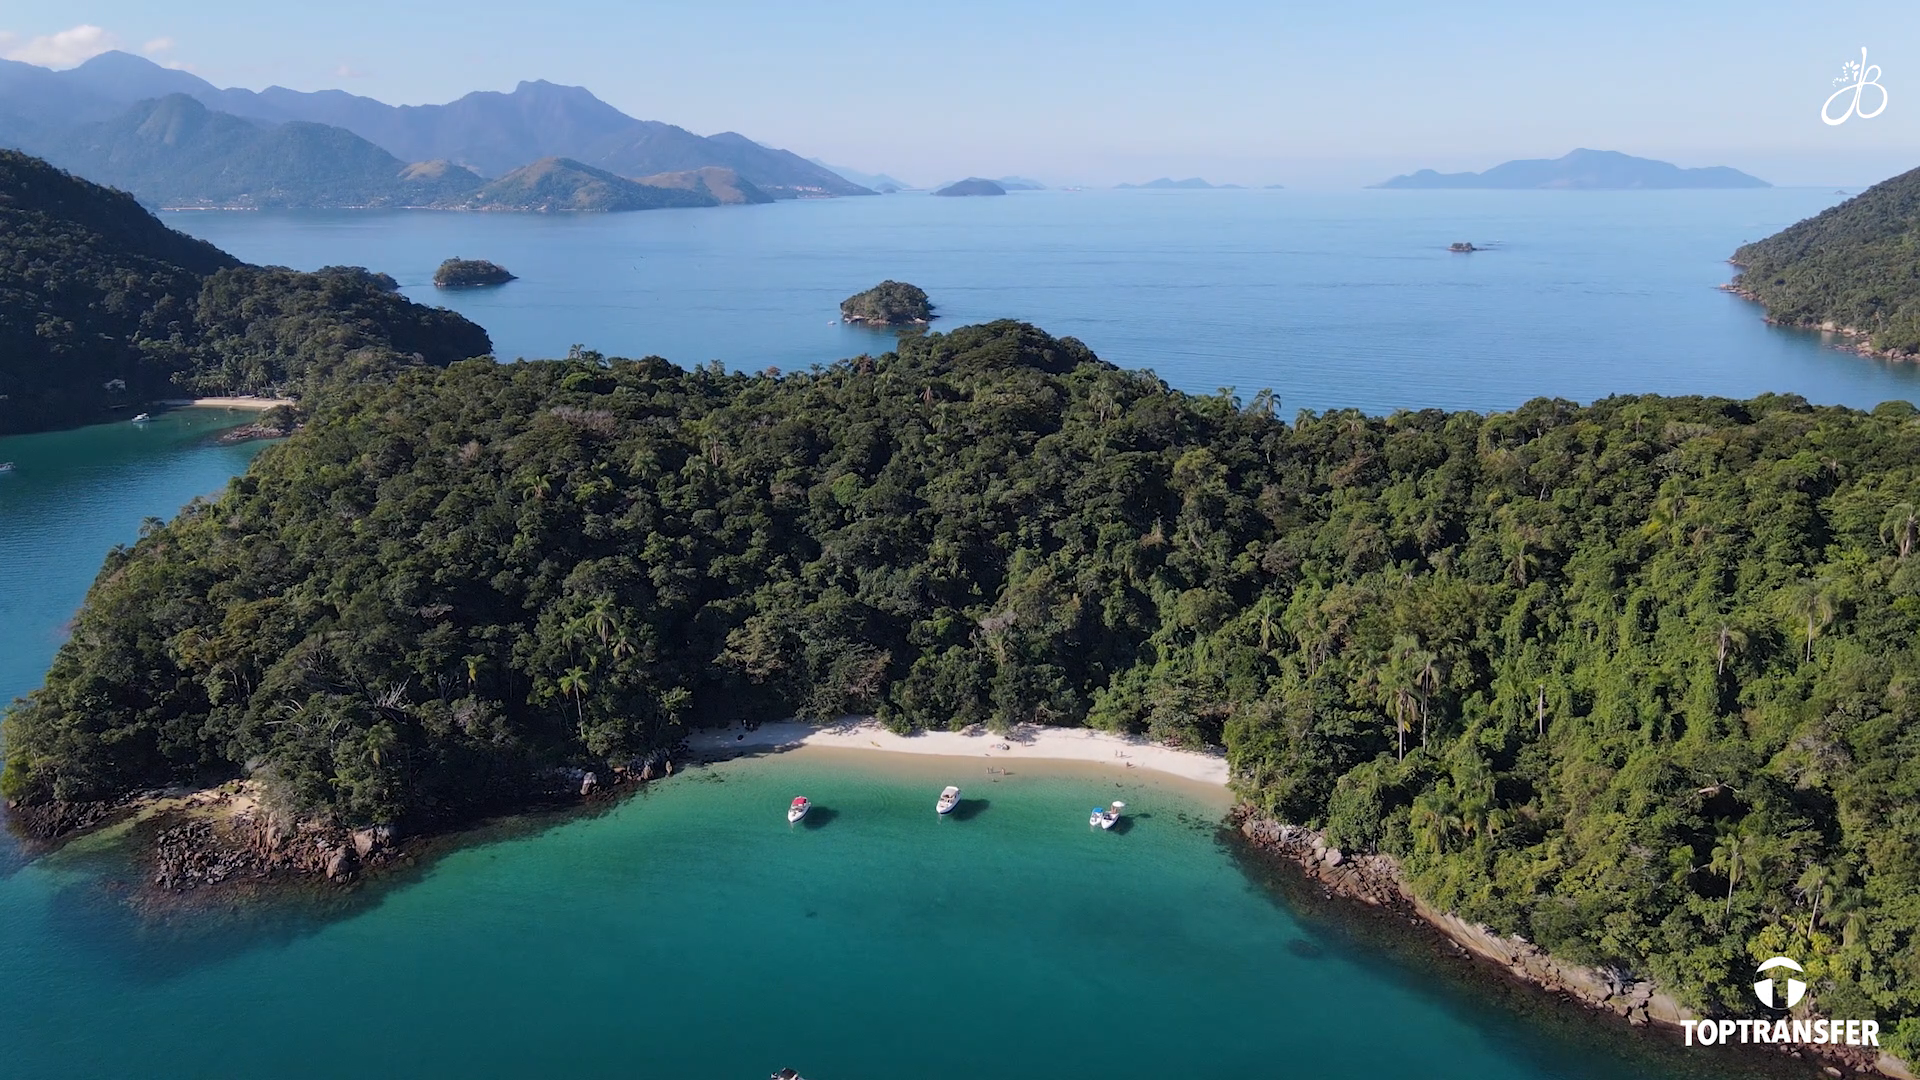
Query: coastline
{"x":1377,"y":882}
{"x":1025,"y":743}
{"x":256,"y":404}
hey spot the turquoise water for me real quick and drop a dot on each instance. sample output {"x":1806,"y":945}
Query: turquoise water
{"x":1330,"y":299}
{"x":691,"y":933}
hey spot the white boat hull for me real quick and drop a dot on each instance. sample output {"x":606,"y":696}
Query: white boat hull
{"x":795,"y":815}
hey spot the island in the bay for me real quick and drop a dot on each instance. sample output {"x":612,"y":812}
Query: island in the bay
{"x":458,"y":273}
{"x":1850,"y":270}
{"x":1582,"y":170}
{"x":1192,"y":183}
{"x":971,"y":186}
{"x":1629,"y":684}
{"x":890,"y":303}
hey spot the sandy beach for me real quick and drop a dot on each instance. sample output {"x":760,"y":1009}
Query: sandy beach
{"x":261,"y":404}
{"x":1027,"y":743}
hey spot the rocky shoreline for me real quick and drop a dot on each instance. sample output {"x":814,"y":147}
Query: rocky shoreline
{"x":1856,"y":341}
{"x":221,"y":842}
{"x":1378,"y":882}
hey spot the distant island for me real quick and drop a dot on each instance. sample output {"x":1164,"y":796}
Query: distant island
{"x":1582,"y":170}
{"x":457,"y":273}
{"x":972,"y":186}
{"x":890,"y":303}
{"x":1461,"y":246}
{"x":1192,"y":183}
{"x":1849,"y":269}
{"x":1020,"y":183}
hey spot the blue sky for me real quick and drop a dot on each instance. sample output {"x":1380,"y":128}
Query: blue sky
{"x":1324,"y":95}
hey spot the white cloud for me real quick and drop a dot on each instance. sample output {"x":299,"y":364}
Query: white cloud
{"x":66,"y":48}
{"x":157,"y":45}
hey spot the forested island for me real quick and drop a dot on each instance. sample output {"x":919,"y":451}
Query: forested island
{"x":458,"y":273}
{"x":104,"y":308}
{"x":972,"y":186}
{"x":1631,"y":680}
{"x":890,"y":303}
{"x":1849,"y":269}
{"x":1582,"y":170}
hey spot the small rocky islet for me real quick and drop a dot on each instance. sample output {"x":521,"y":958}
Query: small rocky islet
{"x":458,"y":273}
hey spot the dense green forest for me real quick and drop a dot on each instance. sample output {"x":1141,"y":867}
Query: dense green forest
{"x":1637,"y":680}
{"x":103,"y":307}
{"x":1855,"y":265}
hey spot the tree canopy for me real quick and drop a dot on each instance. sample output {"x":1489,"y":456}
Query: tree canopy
{"x":890,"y":303}
{"x":1637,"y":680}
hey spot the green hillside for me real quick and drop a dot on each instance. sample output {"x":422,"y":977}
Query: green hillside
{"x":1853,"y":266}
{"x":103,"y":308}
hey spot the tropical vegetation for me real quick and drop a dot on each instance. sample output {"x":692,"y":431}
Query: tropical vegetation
{"x":103,"y":307}
{"x":890,"y":303}
{"x":1638,"y":680}
{"x":1855,"y":266}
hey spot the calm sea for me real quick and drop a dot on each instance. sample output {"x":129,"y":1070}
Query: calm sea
{"x":689,"y":933}
{"x":1330,"y":299}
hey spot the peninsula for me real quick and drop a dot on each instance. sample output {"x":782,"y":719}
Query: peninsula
{"x":1582,"y":170}
{"x":1849,"y":270}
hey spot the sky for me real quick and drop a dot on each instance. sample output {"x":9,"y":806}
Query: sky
{"x":1322,"y":95}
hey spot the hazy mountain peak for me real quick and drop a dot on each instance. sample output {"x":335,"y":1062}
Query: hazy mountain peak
{"x":1582,"y":169}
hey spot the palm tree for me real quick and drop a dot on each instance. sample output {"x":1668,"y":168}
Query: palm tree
{"x":1817,"y":885}
{"x":1811,"y":601}
{"x":1727,"y":640}
{"x":1900,"y":527}
{"x":473,"y":668}
{"x":602,"y":619}
{"x":1426,"y":679}
{"x":574,"y":683}
{"x":1741,"y":851}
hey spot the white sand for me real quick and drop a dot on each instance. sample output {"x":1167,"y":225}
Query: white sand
{"x":1028,"y":743}
{"x":260,"y":403}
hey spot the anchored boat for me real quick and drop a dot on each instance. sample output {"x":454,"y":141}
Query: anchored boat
{"x":1107,"y":818}
{"x":949,"y":799}
{"x":798,"y":809}
{"x":142,"y":418}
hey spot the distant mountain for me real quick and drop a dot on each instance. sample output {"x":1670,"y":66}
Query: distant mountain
{"x":1165,"y":184}
{"x":1583,"y":170}
{"x":554,"y":184}
{"x":876,"y":181}
{"x":1020,"y":183}
{"x":723,"y":185}
{"x":1851,"y":268}
{"x":972,"y":186}
{"x":174,"y":151}
{"x":490,"y":132}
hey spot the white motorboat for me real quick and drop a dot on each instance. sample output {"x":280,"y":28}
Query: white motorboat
{"x":949,"y":799}
{"x":788,"y":1074}
{"x":798,"y":809}
{"x":6,"y":466}
{"x":142,"y":418}
{"x":1108,"y":818}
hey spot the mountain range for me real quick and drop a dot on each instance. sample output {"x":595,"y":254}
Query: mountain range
{"x":124,"y":120}
{"x":1168,"y":184}
{"x":1583,"y":170}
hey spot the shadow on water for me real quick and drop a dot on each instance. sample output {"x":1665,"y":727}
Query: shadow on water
{"x":147,"y":937}
{"x":1124,"y":825}
{"x":968,"y":809}
{"x":819,"y":817}
{"x":1559,"y":1037}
